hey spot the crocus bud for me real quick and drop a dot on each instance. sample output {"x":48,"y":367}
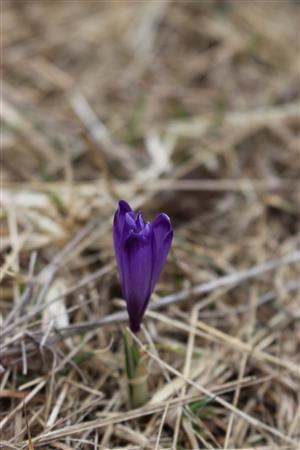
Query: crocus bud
{"x":141,"y":250}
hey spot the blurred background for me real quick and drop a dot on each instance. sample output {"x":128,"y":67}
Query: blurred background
{"x":186,"y":107}
{"x":169,"y":101}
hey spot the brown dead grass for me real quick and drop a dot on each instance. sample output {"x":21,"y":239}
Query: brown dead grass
{"x":187,"y":107}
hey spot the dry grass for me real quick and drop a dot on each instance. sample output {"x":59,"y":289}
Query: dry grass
{"x":187,"y":107}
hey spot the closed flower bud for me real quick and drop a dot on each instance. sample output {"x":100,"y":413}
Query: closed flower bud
{"x":141,"y":250}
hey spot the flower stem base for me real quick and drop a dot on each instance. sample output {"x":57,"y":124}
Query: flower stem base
{"x":136,"y":371}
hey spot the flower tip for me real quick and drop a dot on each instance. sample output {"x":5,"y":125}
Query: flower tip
{"x":165,"y":217}
{"x":124,"y":206}
{"x":162,"y":221}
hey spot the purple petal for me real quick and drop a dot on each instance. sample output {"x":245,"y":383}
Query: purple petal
{"x":140,"y":223}
{"x":119,"y":219}
{"x":138,"y":267}
{"x":130,"y":224}
{"x":118,"y":227}
{"x":163,"y":235}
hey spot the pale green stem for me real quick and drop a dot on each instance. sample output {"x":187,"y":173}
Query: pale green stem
{"x":136,"y":370}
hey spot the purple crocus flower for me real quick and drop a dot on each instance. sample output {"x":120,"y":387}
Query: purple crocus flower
{"x":141,"y":249}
